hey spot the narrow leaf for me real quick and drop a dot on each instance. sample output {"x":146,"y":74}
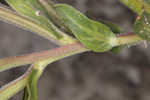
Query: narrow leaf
{"x":49,"y":7}
{"x":12,"y":17}
{"x":32,"y":10}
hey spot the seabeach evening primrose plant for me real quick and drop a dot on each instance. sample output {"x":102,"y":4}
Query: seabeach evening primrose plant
{"x":58,"y":23}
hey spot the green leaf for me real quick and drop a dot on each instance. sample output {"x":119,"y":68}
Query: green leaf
{"x":93,"y":35}
{"x":137,"y":5}
{"x":142,"y":26}
{"x":32,"y":10}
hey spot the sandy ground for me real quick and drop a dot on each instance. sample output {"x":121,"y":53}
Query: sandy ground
{"x":88,"y":76}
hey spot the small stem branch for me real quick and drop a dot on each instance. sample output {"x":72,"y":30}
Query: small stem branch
{"x":54,"y":54}
{"x":38,"y":68}
{"x":33,"y":80}
{"x":15,"y":86}
{"x":129,"y":38}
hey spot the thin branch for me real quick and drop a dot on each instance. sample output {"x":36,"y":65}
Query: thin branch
{"x":32,"y":83}
{"x":31,"y":89}
{"x":59,"y":53}
{"x":10,"y":89}
{"x":54,"y":54}
{"x":127,"y":39}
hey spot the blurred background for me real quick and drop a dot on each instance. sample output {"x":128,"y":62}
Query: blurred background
{"x":88,"y":76}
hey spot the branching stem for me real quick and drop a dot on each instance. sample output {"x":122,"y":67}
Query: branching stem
{"x":69,"y":47}
{"x":54,"y":54}
{"x":59,"y":53}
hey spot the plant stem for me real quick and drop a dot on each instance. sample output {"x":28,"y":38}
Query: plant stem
{"x":15,"y":86}
{"x":32,"y":84}
{"x":54,"y":54}
{"x":127,"y":39}
{"x":27,"y":93}
{"x":38,"y":68}
{"x":59,"y":53}
{"x":42,"y":59}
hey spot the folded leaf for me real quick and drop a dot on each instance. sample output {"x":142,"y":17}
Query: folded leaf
{"x":93,"y":35}
{"x":32,"y":10}
{"x":49,"y":7}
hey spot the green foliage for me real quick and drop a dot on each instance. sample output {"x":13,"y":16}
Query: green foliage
{"x":137,"y":5}
{"x":142,"y":26}
{"x":32,"y":10}
{"x":95,"y":36}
